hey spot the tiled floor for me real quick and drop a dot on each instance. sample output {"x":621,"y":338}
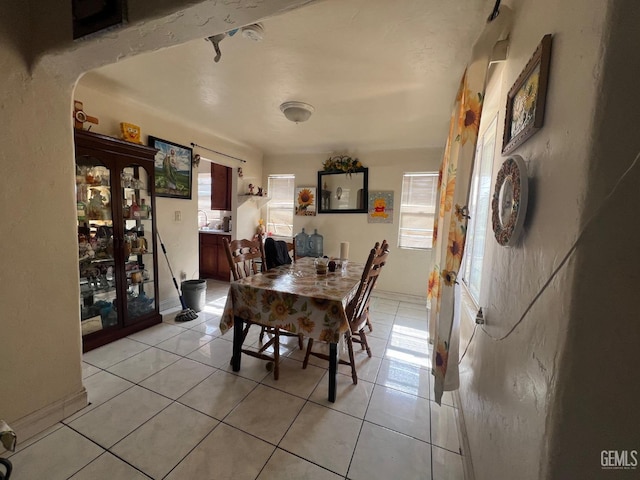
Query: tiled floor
{"x":165,"y":404}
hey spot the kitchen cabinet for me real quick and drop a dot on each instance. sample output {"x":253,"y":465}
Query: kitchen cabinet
{"x":221,"y":178}
{"x":213,"y":258}
{"x":116,"y":238}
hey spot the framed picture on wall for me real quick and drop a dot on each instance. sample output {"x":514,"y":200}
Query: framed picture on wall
{"x":172,"y":169}
{"x":305,"y":201}
{"x":380,"y":207}
{"x":526,"y":99}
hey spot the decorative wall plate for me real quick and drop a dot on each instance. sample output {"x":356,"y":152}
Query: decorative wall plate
{"x":509,"y":202}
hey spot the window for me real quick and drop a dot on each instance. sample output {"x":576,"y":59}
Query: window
{"x":280,"y":208}
{"x":417,"y":210}
{"x":479,"y":202}
{"x":205,"y":214}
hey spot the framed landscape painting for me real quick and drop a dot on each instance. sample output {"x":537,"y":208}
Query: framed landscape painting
{"x":172,"y":169}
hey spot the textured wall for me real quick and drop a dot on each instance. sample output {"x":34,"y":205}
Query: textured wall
{"x":509,"y":387}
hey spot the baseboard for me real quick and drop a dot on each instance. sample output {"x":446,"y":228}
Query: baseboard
{"x":467,"y":465}
{"x":169,"y":304}
{"x":402,"y":297}
{"x":34,"y":423}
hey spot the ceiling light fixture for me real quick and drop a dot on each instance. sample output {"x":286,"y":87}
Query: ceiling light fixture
{"x":297,"y":111}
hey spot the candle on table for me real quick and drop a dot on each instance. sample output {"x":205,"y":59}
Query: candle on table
{"x":344,"y":250}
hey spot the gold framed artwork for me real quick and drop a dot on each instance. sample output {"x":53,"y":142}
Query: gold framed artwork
{"x":526,"y":99}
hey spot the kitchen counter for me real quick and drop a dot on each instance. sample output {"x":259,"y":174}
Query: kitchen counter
{"x":213,"y":230}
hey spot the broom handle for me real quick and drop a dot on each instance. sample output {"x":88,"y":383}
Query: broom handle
{"x":175,"y":284}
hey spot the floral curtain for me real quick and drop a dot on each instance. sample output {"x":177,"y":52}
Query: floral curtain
{"x":451,"y":222}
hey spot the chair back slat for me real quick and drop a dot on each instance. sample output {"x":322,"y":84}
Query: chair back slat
{"x":357,"y":309}
{"x":245,"y":257}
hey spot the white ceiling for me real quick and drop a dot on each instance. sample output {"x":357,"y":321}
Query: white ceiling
{"x":381,"y":74}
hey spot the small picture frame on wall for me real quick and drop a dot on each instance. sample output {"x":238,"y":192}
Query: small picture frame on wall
{"x":380,"y":207}
{"x":305,"y":201}
{"x":172,"y":169}
{"x":526,"y":99}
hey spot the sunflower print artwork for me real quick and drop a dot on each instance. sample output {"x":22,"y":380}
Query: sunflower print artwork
{"x":305,"y":202}
{"x":433,"y":290}
{"x":524,"y":103}
{"x":249,"y":297}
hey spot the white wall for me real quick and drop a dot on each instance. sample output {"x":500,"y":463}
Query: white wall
{"x":510,"y":388}
{"x":406,"y":271}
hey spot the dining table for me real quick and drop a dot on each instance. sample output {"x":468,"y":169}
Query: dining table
{"x":298,"y":299}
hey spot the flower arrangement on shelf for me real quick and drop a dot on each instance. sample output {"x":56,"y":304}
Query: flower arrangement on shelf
{"x":342,"y":163}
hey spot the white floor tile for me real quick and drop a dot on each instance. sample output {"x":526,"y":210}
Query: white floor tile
{"x":186,"y":342}
{"x":114,"y":352}
{"x":293,"y":379}
{"x":444,"y":430}
{"x":381,"y":453}
{"x":101,"y":387}
{"x":144,"y":364}
{"x":399,"y":411}
{"x":108,"y":467}
{"x":218,"y":394}
{"x":446,"y":465}
{"x":406,"y":377}
{"x":284,"y":466}
{"x":380,"y":330}
{"x":88,"y":370}
{"x":217,"y":353}
{"x":178,"y":378}
{"x":113,"y":420}
{"x":158,"y":445}
{"x":156,"y":334}
{"x":55,"y":457}
{"x":266,"y":413}
{"x":350,"y":399}
{"x":366,"y":367}
{"x":229,"y":453}
{"x":209,"y":327}
{"x":175,"y":439}
{"x":323,"y":436}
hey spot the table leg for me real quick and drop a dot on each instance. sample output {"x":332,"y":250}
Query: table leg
{"x":333,"y":370}
{"x":238,"y":324}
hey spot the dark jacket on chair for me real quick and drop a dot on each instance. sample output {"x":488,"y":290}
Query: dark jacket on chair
{"x":276,"y":253}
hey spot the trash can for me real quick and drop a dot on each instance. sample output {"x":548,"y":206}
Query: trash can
{"x":194,"y":294}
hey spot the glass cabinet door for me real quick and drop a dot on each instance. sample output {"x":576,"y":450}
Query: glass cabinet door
{"x":98,"y":282}
{"x":138,"y":243}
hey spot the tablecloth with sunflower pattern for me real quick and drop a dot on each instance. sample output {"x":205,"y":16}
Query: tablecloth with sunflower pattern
{"x":295,"y":298}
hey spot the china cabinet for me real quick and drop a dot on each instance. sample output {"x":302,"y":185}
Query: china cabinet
{"x":116,"y":238}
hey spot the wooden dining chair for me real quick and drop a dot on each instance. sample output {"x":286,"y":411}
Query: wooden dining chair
{"x":246,"y":258}
{"x":358,"y":309}
{"x":274,"y":256}
{"x":380,"y":247}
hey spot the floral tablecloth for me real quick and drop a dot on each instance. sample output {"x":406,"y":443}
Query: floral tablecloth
{"x":295,"y":298}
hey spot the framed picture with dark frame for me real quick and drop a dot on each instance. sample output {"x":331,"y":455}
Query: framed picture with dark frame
{"x":172,"y":169}
{"x":526,"y":99}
